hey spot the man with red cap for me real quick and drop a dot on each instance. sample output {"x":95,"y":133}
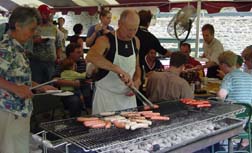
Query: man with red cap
{"x":46,"y":47}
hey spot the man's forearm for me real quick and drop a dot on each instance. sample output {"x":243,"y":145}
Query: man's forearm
{"x":137,"y":74}
{"x":137,"y":77}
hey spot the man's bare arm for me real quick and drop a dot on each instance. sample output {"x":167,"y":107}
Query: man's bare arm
{"x":137,"y":74}
{"x":95,"y":56}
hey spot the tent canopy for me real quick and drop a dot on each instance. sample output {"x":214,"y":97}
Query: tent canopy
{"x":212,"y":6}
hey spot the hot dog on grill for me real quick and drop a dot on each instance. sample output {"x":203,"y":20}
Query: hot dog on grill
{"x":147,"y":107}
{"x":160,"y":118}
{"x":120,"y":125}
{"x":91,"y":123}
{"x":83,"y":119}
{"x":99,"y":125}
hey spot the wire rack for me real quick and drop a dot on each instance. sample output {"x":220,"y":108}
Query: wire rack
{"x":104,"y":140}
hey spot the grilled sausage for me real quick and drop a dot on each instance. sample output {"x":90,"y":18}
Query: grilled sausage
{"x":90,"y":123}
{"x":203,"y":105}
{"x":108,"y":124}
{"x":99,"y":125}
{"x":139,"y":125}
{"x":138,"y":118}
{"x":83,"y":119}
{"x":130,"y":114}
{"x":160,"y":118}
{"x":141,"y":121}
{"x":120,"y":125}
{"x":147,"y":107}
{"x":151,"y":114}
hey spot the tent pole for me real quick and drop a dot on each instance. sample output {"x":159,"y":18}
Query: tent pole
{"x":197,"y":28}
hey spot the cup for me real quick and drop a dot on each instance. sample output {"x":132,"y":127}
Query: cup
{"x":204,"y":80}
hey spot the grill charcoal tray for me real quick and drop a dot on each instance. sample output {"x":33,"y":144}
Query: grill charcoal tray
{"x":175,"y":138}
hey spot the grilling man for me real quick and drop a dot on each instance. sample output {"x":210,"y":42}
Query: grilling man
{"x":121,"y":58}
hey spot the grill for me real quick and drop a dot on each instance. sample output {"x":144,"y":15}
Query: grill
{"x":206,"y":122}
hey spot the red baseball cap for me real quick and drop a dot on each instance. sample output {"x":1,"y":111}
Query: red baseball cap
{"x":44,"y":9}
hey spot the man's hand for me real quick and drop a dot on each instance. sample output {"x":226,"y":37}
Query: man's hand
{"x":125,"y":77}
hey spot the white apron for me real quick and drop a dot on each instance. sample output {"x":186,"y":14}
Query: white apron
{"x":110,"y":93}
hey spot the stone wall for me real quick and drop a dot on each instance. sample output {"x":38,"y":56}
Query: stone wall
{"x":234,"y":30}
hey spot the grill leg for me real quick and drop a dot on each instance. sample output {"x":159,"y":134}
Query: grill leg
{"x":230,"y":146}
{"x":44,"y":146}
{"x":67,"y":147}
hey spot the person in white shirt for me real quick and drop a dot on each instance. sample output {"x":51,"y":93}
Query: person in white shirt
{"x":212,"y":49}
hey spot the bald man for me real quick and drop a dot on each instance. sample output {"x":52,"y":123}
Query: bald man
{"x":116,"y":54}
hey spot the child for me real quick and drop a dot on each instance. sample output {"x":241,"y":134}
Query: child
{"x":69,"y":73}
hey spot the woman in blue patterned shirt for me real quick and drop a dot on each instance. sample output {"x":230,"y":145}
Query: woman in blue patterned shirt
{"x":15,"y":82}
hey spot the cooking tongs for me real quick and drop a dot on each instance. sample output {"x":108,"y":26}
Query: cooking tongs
{"x":139,"y":95}
{"x":45,"y":83}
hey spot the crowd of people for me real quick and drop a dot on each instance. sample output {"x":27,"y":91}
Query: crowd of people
{"x":122,"y":57}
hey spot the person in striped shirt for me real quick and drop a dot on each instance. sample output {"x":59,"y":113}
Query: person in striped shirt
{"x":236,"y":85}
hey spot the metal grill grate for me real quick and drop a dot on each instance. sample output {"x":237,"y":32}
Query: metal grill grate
{"x":100,"y":139}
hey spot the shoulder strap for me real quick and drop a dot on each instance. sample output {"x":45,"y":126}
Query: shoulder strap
{"x":135,"y":46}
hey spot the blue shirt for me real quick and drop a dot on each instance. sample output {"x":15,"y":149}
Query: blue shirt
{"x":238,"y":84}
{"x":15,"y":68}
{"x":91,"y":30}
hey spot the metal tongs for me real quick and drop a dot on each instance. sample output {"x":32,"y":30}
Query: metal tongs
{"x":45,"y":83}
{"x":139,"y":95}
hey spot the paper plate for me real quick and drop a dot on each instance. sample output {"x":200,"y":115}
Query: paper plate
{"x":47,"y":37}
{"x":212,"y":92}
{"x":66,"y":93}
{"x":202,"y":59}
{"x":213,"y":80}
{"x":53,"y":91}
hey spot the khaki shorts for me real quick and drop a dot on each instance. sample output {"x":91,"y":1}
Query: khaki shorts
{"x":14,"y":133}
